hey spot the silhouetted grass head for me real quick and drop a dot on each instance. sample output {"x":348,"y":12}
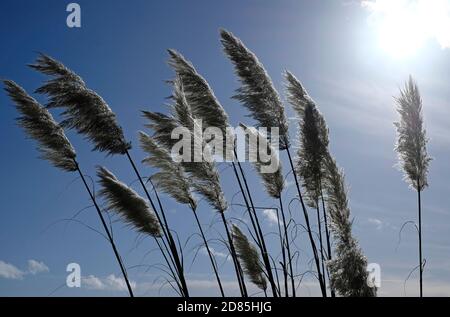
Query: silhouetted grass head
{"x":411,"y":136}
{"x":171,"y":177}
{"x":39,"y":124}
{"x":84,"y":109}
{"x":257,"y":92}
{"x":249,"y":256}
{"x":124,"y":201}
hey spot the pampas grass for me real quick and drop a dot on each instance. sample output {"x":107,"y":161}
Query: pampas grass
{"x":313,"y":141}
{"x":274,"y":185}
{"x":273,"y":182}
{"x":198,"y":93}
{"x":39,"y":124}
{"x":312,"y":134}
{"x":84,"y":110}
{"x":348,"y":275}
{"x":205,"y":106}
{"x":172,"y":179}
{"x":124,"y":201}
{"x":90,"y":115}
{"x":203,"y":175}
{"x":257,"y":92}
{"x":412,"y":151}
{"x":249,"y":256}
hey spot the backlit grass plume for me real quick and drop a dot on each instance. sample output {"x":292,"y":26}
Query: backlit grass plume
{"x":171,"y":177}
{"x":40,"y":126}
{"x":348,"y":275}
{"x":204,"y":175}
{"x":412,"y":150}
{"x":412,"y":140}
{"x":257,"y":92}
{"x":250,"y":259}
{"x":313,"y":148}
{"x":273,"y":181}
{"x":56,"y":148}
{"x":205,"y":106}
{"x":124,"y":201}
{"x":311,"y":154}
{"x":199,"y":95}
{"x":84,"y":109}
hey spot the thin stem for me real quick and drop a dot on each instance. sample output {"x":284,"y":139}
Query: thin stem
{"x":174,"y":275}
{"x":308,"y":226}
{"x":166,"y":230}
{"x":108,"y":233}
{"x":237,"y":266}
{"x":211,"y":257}
{"x":283,"y":255}
{"x":419,"y":203}
{"x":288,"y":247}
{"x":322,"y":257}
{"x":255,"y":224}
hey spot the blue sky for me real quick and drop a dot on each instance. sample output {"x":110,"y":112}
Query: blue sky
{"x":333,"y":47}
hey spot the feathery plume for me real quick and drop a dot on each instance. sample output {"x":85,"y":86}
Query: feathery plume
{"x":311,"y":154}
{"x":131,"y":207}
{"x":40,"y":126}
{"x":171,"y":177}
{"x":84,"y":109}
{"x":199,"y":95}
{"x":273,"y":182}
{"x":348,"y":275}
{"x":249,"y":256}
{"x":257,"y":92}
{"x":412,"y":150}
{"x":204,"y":175}
{"x":412,"y":140}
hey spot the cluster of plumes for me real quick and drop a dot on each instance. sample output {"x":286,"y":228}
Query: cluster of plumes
{"x":348,"y":269}
{"x":257,"y":92}
{"x":84,"y":109}
{"x":250,"y":259}
{"x":273,"y":180}
{"x":199,"y":95}
{"x":203,"y":175}
{"x":171,"y":177}
{"x":124,"y":201}
{"x":412,"y":140}
{"x":319,"y":171}
{"x":40,"y":126}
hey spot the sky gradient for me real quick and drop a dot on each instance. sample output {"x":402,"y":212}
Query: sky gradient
{"x":120,"y":51}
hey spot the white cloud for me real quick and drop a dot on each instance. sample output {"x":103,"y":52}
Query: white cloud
{"x":214,"y":252}
{"x":271,"y":216}
{"x":376,"y":222}
{"x":9,"y":271}
{"x":35,"y":267}
{"x":109,"y":283}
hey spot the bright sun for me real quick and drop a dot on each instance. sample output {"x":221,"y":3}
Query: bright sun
{"x":405,"y":25}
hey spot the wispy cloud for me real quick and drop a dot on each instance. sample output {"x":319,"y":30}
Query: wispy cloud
{"x":9,"y":271}
{"x":216,"y":253}
{"x":35,"y":267}
{"x":376,"y":222}
{"x":109,"y":283}
{"x":271,"y":216}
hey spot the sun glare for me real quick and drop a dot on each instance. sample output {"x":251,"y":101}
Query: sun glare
{"x":404,"y":26}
